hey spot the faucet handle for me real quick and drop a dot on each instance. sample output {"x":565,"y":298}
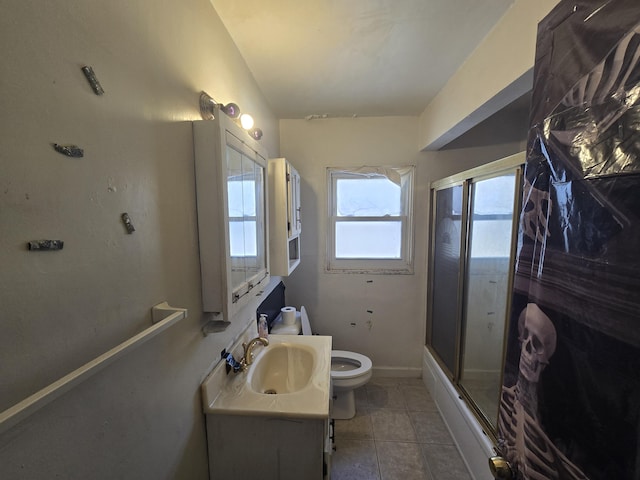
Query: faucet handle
{"x":247,"y":359}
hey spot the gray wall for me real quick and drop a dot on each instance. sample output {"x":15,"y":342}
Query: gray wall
{"x":141,"y":417}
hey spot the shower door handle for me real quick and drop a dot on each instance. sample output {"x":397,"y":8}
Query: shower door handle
{"x":500,"y":468}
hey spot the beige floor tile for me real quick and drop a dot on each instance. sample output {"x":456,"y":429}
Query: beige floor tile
{"x":385,"y":396}
{"x":392,"y":425}
{"x":417,"y":398}
{"x":397,"y":434}
{"x":354,"y":460}
{"x":430,"y":428}
{"x":390,"y":381}
{"x":399,"y":460}
{"x":383,"y":381}
{"x":358,"y":427}
{"x":445,"y":462}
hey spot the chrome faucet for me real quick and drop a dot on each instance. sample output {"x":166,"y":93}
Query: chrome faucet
{"x":248,"y":351}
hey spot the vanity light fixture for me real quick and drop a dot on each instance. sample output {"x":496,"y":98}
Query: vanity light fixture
{"x":256,"y":133}
{"x":207,"y":105}
{"x":207,"y":111}
{"x":232,"y":110}
{"x":246,"y":121}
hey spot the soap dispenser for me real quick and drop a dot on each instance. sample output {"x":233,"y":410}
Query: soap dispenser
{"x":263,"y":327}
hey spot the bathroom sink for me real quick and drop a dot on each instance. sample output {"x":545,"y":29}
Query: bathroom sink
{"x":291,"y":377}
{"x":282,"y":368}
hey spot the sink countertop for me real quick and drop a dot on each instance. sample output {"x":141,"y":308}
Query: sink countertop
{"x":234,"y":396}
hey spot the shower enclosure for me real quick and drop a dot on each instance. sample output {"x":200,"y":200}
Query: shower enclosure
{"x":472,"y":251}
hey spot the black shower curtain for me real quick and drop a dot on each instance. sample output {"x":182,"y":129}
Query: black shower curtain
{"x":571,"y":395}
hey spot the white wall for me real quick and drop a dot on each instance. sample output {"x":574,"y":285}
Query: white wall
{"x":335,"y":300}
{"x":499,"y":71}
{"x":141,"y":417}
{"x":395,"y":337}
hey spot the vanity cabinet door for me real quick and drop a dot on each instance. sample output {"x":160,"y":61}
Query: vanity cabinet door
{"x":293,"y":190}
{"x":285,"y":224}
{"x":279,"y":447}
{"x":232,"y":227}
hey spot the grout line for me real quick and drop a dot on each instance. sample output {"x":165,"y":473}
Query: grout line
{"x":375,"y":446}
{"x":373,"y":435}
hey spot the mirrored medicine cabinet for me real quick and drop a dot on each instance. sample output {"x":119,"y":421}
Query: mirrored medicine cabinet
{"x":473,"y":233}
{"x":230,"y":169}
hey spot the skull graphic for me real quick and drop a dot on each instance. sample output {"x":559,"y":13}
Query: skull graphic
{"x":536,"y":208}
{"x":538,"y":341}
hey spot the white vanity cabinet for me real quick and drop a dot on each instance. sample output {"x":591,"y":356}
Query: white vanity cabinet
{"x":268,"y":447}
{"x":284,"y":217}
{"x":230,"y":170}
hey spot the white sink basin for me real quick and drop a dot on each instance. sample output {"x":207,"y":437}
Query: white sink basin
{"x":290,"y":377}
{"x":282,"y":368}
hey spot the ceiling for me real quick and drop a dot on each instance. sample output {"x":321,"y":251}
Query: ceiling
{"x":355,"y":57}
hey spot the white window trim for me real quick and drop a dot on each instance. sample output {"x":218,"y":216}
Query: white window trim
{"x":401,"y":266}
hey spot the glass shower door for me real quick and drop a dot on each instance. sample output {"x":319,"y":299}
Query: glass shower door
{"x":447,"y":245}
{"x":487,"y":277}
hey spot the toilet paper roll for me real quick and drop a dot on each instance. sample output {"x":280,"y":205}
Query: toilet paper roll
{"x":288,"y":315}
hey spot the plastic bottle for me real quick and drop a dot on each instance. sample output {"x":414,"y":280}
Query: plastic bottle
{"x":263,"y":328}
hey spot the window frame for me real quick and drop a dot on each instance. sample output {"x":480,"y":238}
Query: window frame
{"x":400,"y":266}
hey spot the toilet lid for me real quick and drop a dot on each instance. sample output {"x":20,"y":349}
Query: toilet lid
{"x":304,"y":319}
{"x":350,"y":357}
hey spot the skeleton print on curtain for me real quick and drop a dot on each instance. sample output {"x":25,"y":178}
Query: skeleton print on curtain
{"x":570,"y":403}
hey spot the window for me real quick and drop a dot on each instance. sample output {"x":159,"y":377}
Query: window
{"x":370,"y":219}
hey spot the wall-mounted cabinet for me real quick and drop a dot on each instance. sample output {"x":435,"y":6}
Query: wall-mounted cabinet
{"x":284,"y":217}
{"x":230,"y":170}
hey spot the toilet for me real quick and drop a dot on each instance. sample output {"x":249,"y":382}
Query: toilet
{"x":349,"y":370}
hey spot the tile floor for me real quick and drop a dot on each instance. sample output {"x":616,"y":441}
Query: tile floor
{"x":397,"y":433}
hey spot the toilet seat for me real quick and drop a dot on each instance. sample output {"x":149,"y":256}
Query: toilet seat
{"x":351,"y":357}
{"x":304,"y":320}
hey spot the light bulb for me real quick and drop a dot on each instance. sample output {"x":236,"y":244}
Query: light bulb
{"x":256,"y":133}
{"x":246,"y":121}
{"x":231,"y":109}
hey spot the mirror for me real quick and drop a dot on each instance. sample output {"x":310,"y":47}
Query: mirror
{"x":246,"y":214}
{"x":254,"y":219}
{"x":488,"y":266}
{"x":235,"y":192}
